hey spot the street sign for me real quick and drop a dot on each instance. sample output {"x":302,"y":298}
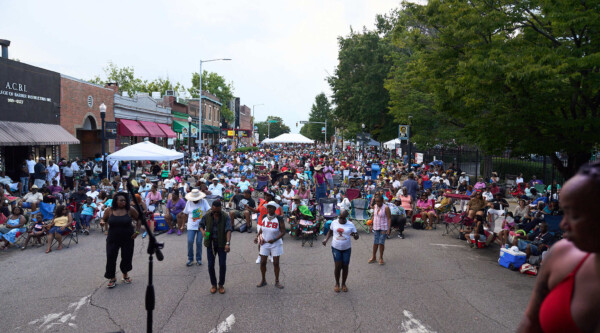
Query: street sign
{"x":199,"y":141}
{"x":322,"y":129}
{"x":110,"y":130}
{"x":303,"y":121}
{"x":273,"y":121}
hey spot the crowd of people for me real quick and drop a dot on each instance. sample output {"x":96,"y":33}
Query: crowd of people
{"x":223,"y":192}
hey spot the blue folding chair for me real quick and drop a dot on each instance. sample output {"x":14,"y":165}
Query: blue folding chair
{"x":47,"y":210}
{"x":360,"y":213}
{"x":553,"y":222}
{"x":427,"y":184}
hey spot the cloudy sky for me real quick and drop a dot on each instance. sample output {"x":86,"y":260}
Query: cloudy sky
{"x":281,"y":50}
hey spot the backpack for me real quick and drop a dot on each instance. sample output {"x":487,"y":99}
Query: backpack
{"x":418,"y":224}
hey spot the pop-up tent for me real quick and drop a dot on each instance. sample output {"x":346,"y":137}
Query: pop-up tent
{"x":289,"y":138}
{"x":145,"y":151}
{"x":391,"y":144}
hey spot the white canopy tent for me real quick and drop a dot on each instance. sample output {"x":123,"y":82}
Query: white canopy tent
{"x":391,"y":144}
{"x":145,"y":151}
{"x":289,"y":138}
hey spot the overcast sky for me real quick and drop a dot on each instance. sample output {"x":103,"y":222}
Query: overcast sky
{"x":281,"y":50}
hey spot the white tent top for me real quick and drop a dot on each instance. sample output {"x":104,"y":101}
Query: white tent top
{"x":145,"y":151}
{"x":289,"y":138}
{"x":392,"y":144}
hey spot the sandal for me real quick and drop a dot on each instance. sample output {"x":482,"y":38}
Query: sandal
{"x":262,"y":284}
{"x":127,"y":280}
{"x":336,"y":289}
{"x":372,"y":260}
{"x":111,"y":284}
{"x":381,"y":262}
{"x":213,"y":289}
{"x":345,"y":289}
{"x":49,"y":250}
{"x":278,"y":285}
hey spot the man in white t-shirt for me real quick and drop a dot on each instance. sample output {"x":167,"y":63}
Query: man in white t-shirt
{"x":342,"y":233}
{"x":216,"y":188}
{"x":269,"y":237}
{"x":92,"y":193}
{"x":195,"y":208}
{"x":53,"y":172}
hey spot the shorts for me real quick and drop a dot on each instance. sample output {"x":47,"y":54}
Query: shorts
{"x":379,"y":236}
{"x":238,"y":214}
{"x":274,"y":250}
{"x":57,"y":230}
{"x":27,"y":205}
{"x":482,"y":237}
{"x":341,"y":255}
{"x":522,"y":245}
{"x":173,"y":216}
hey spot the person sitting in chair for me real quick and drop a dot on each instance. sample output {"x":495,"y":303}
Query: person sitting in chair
{"x":59,"y":226}
{"x":398,"y":216}
{"x":36,"y":231}
{"x":425,"y":207}
{"x":15,"y":224}
{"x":32,"y":199}
{"x":245,"y":207}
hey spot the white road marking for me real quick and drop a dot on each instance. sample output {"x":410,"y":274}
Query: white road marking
{"x":447,"y":245}
{"x":413,"y":325}
{"x":224,"y":326}
{"x":52,"y":319}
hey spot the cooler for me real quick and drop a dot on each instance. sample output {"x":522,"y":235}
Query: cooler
{"x":161,"y":224}
{"x":510,"y":259}
{"x":375,"y":171}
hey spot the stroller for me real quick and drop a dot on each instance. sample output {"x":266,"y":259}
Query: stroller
{"x":304,"y":225}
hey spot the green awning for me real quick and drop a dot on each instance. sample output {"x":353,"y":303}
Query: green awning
{"x":207,"y":129}
{"x":179,"y":125}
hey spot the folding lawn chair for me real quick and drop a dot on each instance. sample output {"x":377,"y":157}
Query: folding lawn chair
{"x":360,"y":213}
{"x":553,"y":222}
{"x":71,"y":235}
{"x":327,"y":208}
{"x":352,"y":193}
{"x":262,"y":182}
{"x":540,"y":188}
{"x":427,"y":184}
{"x":453,"y":222}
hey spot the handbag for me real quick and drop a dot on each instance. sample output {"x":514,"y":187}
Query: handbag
{"x":3,"y":218}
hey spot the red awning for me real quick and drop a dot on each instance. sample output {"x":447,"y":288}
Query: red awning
{"x":131,"y":128}
{"x":168,"y":131}
{"x":153,"y":129}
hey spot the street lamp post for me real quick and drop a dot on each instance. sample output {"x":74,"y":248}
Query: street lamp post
{"x":103,"y":116}
{"x":220,"y":125}
{"x":364,"y":137}
{"x":200,"y":101}
{"x":189,"y":139}
{"x":408,"y":142}
{"x":253,"y":119}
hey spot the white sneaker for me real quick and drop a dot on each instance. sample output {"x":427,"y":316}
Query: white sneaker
{"x":258,"y":259}
{"x":270,"y":258}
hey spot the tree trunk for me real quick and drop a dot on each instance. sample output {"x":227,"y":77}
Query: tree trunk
{"x":574,"y":162}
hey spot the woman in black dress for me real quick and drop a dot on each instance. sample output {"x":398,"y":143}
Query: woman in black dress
{"x":121,"y":235}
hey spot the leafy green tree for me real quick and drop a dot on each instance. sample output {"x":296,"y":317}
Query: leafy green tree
{"x":521,"y":76}
{"x":216,"y":85}
{"x":277,"y":128}
{"x":358,"y":81}
{"x":319,"y":112}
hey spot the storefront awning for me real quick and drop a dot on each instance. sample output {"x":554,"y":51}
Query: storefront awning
{"x":207,"y":129}
{"x":31,"y":134}
{"x":152,"y":129}
{"x":131,"y":128}
{"x":167,"y":130}
{"x":178,"y":126}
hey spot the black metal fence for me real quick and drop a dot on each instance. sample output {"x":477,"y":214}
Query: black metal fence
{"x":477,"y":164}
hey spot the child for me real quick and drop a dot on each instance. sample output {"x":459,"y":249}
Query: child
{"x":38,"y":230}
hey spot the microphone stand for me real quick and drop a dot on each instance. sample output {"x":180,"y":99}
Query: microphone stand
{"x":154,"y":247}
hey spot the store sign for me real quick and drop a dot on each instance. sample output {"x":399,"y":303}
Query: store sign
{"x":28,"y":93}
{"x":110,"y":130}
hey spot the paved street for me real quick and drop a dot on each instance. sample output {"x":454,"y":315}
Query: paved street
{"x":430,"y":283}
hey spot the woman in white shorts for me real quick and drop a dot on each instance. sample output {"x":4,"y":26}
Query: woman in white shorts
{"x":269,"y":238}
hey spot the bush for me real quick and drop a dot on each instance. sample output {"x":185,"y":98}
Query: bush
{"x":246,"y":149}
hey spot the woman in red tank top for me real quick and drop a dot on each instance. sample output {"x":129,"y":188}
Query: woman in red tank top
{"x":565,"y":297}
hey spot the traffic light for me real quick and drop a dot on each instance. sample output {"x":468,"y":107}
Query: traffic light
{"x":296,"y":124}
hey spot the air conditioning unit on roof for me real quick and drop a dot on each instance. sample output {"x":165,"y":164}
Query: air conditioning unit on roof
{"x":171,"y":93}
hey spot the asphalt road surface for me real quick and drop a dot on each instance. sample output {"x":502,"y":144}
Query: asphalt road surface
{"x":430,"y":283}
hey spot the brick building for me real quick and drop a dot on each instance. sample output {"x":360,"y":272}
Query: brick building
{"x":245,"y":123}
{"x":211,"y":116}
{"x":80,"y":116}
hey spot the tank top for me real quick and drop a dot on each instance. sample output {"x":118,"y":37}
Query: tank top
{"x":120,"y":227}
{"x":380,"y":221}
{"x":555,"y":312}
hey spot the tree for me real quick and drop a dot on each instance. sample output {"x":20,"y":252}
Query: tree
{"x":277,"y":128}
{"x":319,"y":112}
{"x":128,"y":82}
{"x":358,"y":81}
{"x":216,"y":85}
{"x":521,"y":76}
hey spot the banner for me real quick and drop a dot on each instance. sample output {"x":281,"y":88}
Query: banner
{"x":419,"y":158}
{"x":110,"y":130}
{"x":403,"y":132}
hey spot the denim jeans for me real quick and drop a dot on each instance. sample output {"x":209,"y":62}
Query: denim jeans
{"x":198,"y":235}
{"x":210,"y":256}
{"x":25,"y":182}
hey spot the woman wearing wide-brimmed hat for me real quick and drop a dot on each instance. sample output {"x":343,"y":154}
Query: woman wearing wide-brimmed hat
{"x":320,"y":183}
{"x":195,"y":208}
